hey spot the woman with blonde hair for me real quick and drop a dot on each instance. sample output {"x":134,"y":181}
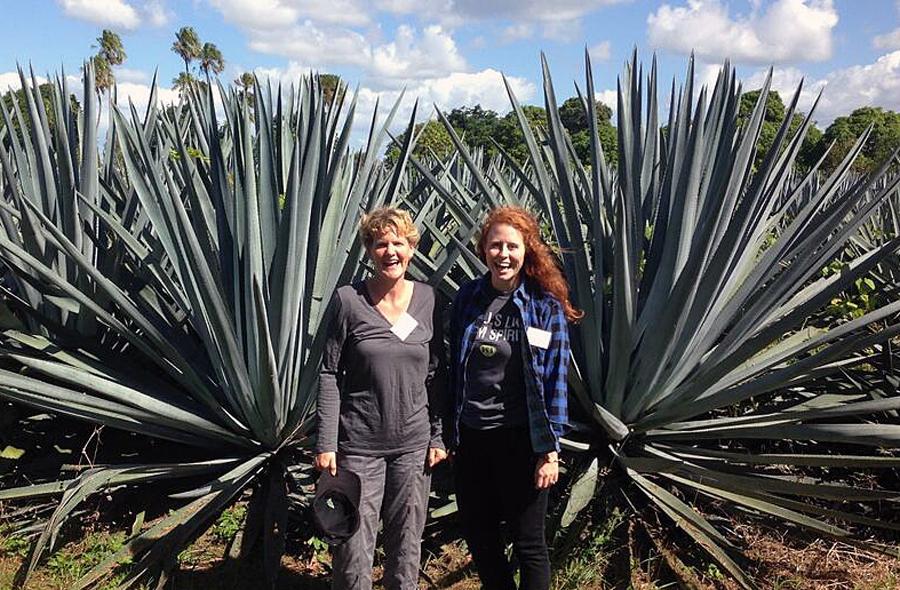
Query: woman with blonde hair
{"x":509,"y":353}
{"x":378,"y":407}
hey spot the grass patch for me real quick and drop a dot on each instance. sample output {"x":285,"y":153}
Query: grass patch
{"x":588,"y":563}
{"x":71,"y":563}
{"x":14,"y":546}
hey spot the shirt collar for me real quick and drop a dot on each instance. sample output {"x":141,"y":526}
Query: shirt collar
{"x":522,"y":292}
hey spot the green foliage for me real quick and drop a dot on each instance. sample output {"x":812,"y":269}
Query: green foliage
{"x":510,"y":135}
{"x":211,"y":60}
{"x":714,"y":573}
{"x":477,"y":126}
{"x":187,"y":45}
{"x":573,"y":116}
{"x":45,"y":92}
{"x":812,"y":147}
{"x":884,"y":139}
{"x":319,"y":548}
{"x":14,"y":545}
{"x":245,"y":81}
{"x":484,"y":129}
{"x":110,"y":52}
{"x":584,"y":566}
{"x":72,"y":562}
{"x":184,"y":82}
{"x":858,"y":300}
{"x":433,"y":140}
{"x":229,"y":523}
{"x":110,"y":48}
{"x":331,"y":85}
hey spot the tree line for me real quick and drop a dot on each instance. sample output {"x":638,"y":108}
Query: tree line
{"x":500,"y":134}
{"x":496,"y":134}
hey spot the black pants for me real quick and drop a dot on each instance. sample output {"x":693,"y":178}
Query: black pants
{"x":494,"y":484}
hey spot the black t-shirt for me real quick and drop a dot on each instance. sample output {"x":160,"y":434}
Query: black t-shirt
{"x":495,"y":381}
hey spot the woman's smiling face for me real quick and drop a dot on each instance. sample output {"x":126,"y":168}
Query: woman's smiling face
{"x":504,"y":252}
{"x":390,"y":254}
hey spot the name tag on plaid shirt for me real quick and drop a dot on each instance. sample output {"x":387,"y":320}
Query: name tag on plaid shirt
{"x":538,"y":337}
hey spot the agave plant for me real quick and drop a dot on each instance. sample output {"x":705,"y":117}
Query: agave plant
{"x":174,"y":288}
{"x":694,"y":365}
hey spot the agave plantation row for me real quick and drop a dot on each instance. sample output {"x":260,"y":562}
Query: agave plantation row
{"x":172,"y":285}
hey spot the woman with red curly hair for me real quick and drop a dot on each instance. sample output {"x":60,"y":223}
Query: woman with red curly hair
{"x":509,"y":347}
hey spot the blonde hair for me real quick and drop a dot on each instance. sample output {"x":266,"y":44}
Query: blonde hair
{"x":385,"y":219}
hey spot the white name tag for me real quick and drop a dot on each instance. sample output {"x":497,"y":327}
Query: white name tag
{"x":404,"y":326}
{"x":536,"y":337}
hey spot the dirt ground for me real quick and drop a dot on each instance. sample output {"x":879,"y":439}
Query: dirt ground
{"x":777,"y":563}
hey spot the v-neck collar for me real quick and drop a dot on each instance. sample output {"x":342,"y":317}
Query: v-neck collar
{"x":371,"y":304}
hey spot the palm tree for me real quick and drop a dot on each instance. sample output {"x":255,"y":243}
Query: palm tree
{"x":103,"y":74}
{"x":211,"y":59}
{"x":331,"y":83}
{"x":187,"y":46}
{"x":111,"y":48}
{"x":245,"y":81}
{"x":183,"y":82}
{"x":110,"y":52}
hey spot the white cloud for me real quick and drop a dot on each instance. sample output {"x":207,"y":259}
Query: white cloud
{"x":139,"y":95}
{"x":460,"y":12}
{"x":129,"y":75}
{"x":281,"y":14}
{"x":706,"y":75}
{"x":11,"y":81}
{"x":344,"y":12}
{"x":875,"y":84}
{"x":785,"y":31}
{"x":410,"y":57}
{"x":562,"y":30}
{"x":889,"y":41}
{"x":529,"y":10}
{"x":600,"y":51}
{"x":785,"y":81}
{"x":609,"y":97}
{"x":157,"y":14}
{"x":517,"y":32}
{"x":309,"y":43}
{"x":484,"y":88}
{"x":447,"y":92}
{"x":103,"y":12}
{"x":257,"y":14}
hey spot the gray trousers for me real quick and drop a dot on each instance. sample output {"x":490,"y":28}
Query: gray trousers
{"x":396,"y":489}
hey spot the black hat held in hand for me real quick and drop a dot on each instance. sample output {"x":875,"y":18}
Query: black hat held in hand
{"x":336,"y":506}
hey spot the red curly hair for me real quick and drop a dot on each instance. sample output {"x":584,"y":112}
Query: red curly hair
{"x":540,"y":264}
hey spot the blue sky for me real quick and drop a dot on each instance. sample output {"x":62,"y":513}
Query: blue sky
{"x":450,"y":52}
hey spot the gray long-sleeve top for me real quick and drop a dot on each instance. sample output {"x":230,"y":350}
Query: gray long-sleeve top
{"x":380,"y":394}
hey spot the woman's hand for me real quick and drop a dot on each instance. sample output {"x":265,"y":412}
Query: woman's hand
{"x":435,"y":456}
{"x":547,"y":471}
{"x":327,"y":462}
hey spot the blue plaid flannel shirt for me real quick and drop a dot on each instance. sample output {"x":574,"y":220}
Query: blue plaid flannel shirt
{"x":546,"y":368}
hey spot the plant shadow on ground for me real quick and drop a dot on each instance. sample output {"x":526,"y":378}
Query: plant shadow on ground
{"x":605,"y":548}
{"x":613,"y":554}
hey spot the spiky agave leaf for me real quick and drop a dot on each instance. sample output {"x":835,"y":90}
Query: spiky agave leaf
{"x":181,"y":296}
{"x":697,"y":274}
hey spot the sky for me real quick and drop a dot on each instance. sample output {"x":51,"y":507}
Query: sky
{"x":452,"y":52}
